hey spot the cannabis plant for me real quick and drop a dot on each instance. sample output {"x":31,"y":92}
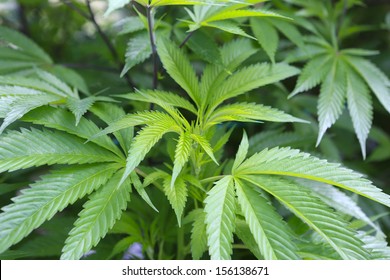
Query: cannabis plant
{"x":276,"y":203}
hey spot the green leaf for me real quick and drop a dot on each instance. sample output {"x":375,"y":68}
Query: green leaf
{"x":233,"y":54}
{"x":228,"y":26}
{"x":114,"y":5}
{"x":242,"y":151}
{"x":220,"y":218}
{"x":21,"y":43}
{"x":110,"y":113}
{"x":266,"y":35}
{"x":160,"y":97}
{"x":182,"y":153}
{"x":374,"y":77}
{"x":158,"y":3}
{"x":203,"y":45}
{"x":250,"y":78}
{"x":56,"y":83}
{"x":290,"y":162}
{"x":198,"y":235}
{"x":205,"y":144}
{"x":20,"y":150}
{"x":312,"y":74}
{"x":177,"y":195}
{"x":144,"y":141}
{"x":332,"y":98}
{"x":272,"y":235}
{"x":314,"y":213}
{"x":99,"y":215}
{"x":229,"y":14}
{"x":71,"y":77}
{"x":131,"y":120}
{"x":63,"y":120}
{"x":16,"y":107}
{"x":247,"y":112}
{"x":360,"y":108}
{"x":48,"y":196}
{"x":15,"y":85}
{"x":289,"y":30}
{"x":341,"y":202}
{"x":80,"y":106}
{"x":244,"y":233}
{"x":138,"y":50}
{"x":141,"y":189}
{"x":179,"y":68}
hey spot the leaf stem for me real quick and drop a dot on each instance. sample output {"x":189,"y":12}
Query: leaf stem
{"x":186,"y":39}
{"x":149,"y":15}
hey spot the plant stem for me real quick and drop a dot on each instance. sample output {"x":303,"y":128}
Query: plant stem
{"x":186,"y":39}
{"x":150,"y":18}
{"x":91,"y":17}
{"x":180,"y":243}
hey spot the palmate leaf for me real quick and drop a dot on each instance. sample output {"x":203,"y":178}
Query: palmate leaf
{"x":250,"y":78}
{"x":360,"y":108}
{"x":247,"y":112}
{"x":138,"y":50}
{"x":176,"y":194}
{"x":145,"y":140}
{"x":27,"y":148}
{"x":232,"y":55}
{"x":48,"y":196}
{"x":99,"y":215}
{"x":313,"y":212}
{"x":160,"y":97}
{"x":179,"y":68}
{"x":272,"y":235}
{"x":220,"y":218}
{"x":63,"y":120}
{"x":332,"y":97}
{"x":290,"y":162}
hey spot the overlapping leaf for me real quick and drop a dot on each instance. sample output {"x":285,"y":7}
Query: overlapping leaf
{"x":27,"y":148}
{"x":98,"y":216}
{"x":313,"y":212}
{"x":48,"y":196}
{"x":290,"y":162}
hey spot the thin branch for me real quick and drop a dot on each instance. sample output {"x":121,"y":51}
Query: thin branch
{"x":153,"y":45}
{"x":76,"y":9}
{"x":103,"y":35}
{"x":23,"y":20}
{"x":186,"y":39}
{"x":91,"y":17}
